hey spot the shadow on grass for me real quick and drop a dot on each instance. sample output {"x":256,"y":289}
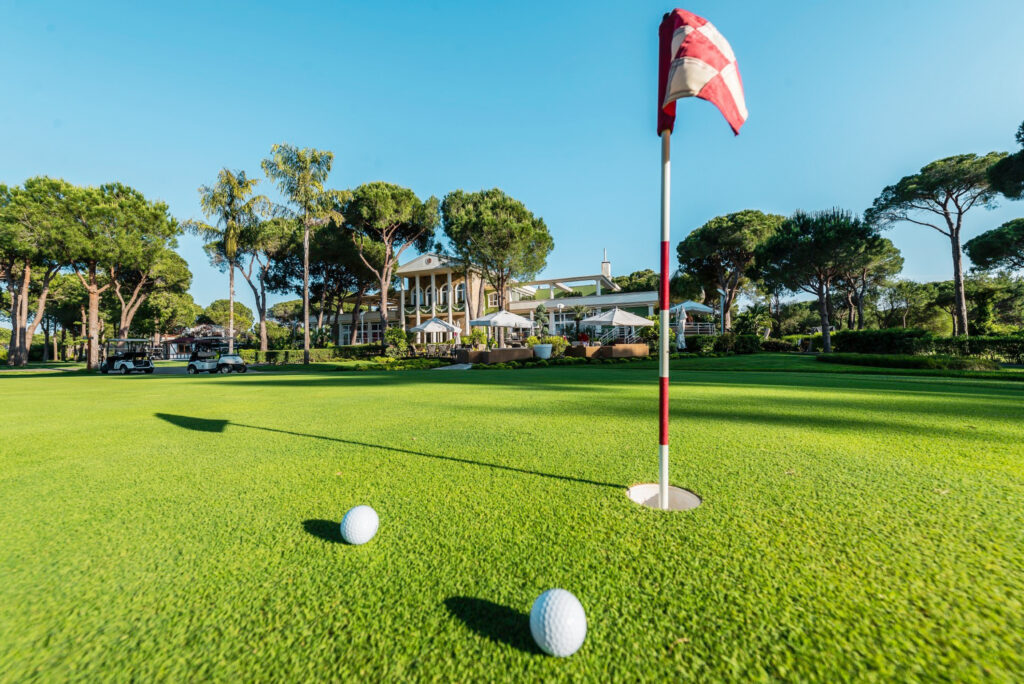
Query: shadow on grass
{"x":197,"y":424}
{"x":328,"y":530}
{"x":208,"y":425}
{"x":493,"y":621}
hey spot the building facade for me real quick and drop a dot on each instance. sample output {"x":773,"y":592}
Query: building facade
{"x":433,"y":286}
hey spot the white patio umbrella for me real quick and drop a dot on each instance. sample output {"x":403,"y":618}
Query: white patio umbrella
{"x":502,"y":319}
{"x":691,"y":306}
{"x":617,"y":317}
{"x":435,"y":325}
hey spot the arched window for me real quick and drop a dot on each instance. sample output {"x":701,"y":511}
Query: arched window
{"x":417,"y":296}
{"x":442,"y":296}
{"x":430,"y":296}
{"x":460,"y":293}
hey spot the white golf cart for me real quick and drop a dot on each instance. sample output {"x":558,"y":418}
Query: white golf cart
{"x":209,"y":361}
{"x":127,"y":355}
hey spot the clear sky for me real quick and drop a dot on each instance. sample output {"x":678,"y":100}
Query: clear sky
{"x":553,"y":102}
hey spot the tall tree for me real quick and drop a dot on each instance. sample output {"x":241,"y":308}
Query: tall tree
{"x":1007,"y":175}
{"x":721,"y":252}
{"x":1001,"y":247}
{"x":499,"y":235}
{"x":300,"y":174}
{"x":264,"y":244}
{"x":231,"y":202}
{"x":808,"y":253}
{"x":29,"y":255}
{"x":937,"y":197}
{"x":873,"y":263}
{"x":218,"y":314}
{"x":396,"y":219}
{"x":107,"y":227}
{"x":900,"y":300}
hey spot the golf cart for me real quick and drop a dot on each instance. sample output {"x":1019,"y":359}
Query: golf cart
{"x":209,"y":361}
{"x":126,"y":356}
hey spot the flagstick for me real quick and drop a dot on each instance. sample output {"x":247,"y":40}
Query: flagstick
{"x":664,"y":322}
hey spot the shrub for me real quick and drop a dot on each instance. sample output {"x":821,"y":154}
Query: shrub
{"x":909,"y":361}
{"x":802,"y":342}
{"x":700,"y":344}
{"x":747,"y":344}
{"x":883,"y":341}
{"x":778,"y":346}
{"x":532,"y":340}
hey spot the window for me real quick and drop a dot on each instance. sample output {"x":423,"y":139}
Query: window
{"x":460,"y":293}
{"x":430,"y":296}
{"x":417,"y":296}
{"x":492,"y":299}
{"x":442,"y":296}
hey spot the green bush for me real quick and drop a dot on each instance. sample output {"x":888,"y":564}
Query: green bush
{"x":279,"y":357}
{"x":738,"y":344}
{"x":883,"y":341}
{"x":700,"y":344}
{"x":778,"y":346}
{"x":910,"y":361}
{"x":815,"y":340}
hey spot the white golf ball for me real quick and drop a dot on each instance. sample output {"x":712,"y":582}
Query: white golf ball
{"x":359,"y":525}
{"x":558,"y":623}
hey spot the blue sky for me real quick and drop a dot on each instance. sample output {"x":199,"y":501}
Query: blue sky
{"x":553,"y":102}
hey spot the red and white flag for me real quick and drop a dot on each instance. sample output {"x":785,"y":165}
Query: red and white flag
{"x":695,"y":60}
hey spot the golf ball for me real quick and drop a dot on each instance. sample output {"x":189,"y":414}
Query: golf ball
{"x":359,"y":525}
{"x":558,"y":623}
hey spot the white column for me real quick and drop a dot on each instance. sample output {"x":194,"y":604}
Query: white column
{"x":451,"y":296}
{"x":650,"y":309}
{"x":417,"y":292}
{"x":401,"y":302}
{"x":433,"y":296}
{"x":598,"y":283}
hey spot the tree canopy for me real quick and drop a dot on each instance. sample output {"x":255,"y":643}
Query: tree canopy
{"x":1001,"y":247}
{"x":721,"y":252}
{"x":498,"y":235}
{"x":809,"y":251}
{"x":386,"y":220}
{"x":937,"y":197}
{"x":1007,"y":175}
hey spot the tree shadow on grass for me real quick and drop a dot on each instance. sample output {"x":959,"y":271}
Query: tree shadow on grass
{"x":205,"y":425}
{"x":328,"y":530}
{"x":490,"y":620}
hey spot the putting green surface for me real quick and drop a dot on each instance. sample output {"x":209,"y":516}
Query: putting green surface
{"x":186,"y":528}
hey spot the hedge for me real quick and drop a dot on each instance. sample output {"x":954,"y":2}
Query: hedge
{"x":278,"y":357}
{"x":910,"y":361}
{"x":1004,"y":348}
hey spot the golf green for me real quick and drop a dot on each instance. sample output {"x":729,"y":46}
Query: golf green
{"x":854,"y":526}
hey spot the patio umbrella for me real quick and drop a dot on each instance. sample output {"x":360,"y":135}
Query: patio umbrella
{"x":691,"y":306}
{"x":502,"y":319}
{"x":435,"y":325}
{"x":617,"y":317}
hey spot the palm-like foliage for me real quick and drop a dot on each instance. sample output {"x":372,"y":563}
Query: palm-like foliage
{"x":300,"y":174}
{"x":233,"y":207}
{"x":579,"y":312}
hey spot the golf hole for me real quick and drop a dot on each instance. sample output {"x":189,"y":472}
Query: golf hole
{"x":679,"y":499}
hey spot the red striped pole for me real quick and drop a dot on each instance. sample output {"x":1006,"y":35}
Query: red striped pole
{"x":664,"y":325}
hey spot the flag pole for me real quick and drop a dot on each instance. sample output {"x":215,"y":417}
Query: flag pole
{"x":664,"y":325}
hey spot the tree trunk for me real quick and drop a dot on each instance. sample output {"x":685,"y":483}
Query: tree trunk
{"x":959,"y":297}
{"x":63,"y":344}
{"x":46,"y":340}
{"x":93,"y":358}
{"x":384,"y":282}
{"x":860,"y":309}
{"x":305,"y":292}
{"x":850,"y":309}
{"x":354,"y":318}
{"x":826,"y":335}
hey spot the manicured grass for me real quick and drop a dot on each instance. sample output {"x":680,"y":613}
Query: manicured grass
{"x":185,"y":528}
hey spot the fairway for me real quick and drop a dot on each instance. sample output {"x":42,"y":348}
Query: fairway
{"x":186,"y":528}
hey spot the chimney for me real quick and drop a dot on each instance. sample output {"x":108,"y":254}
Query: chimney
{"x":606,"y":266}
